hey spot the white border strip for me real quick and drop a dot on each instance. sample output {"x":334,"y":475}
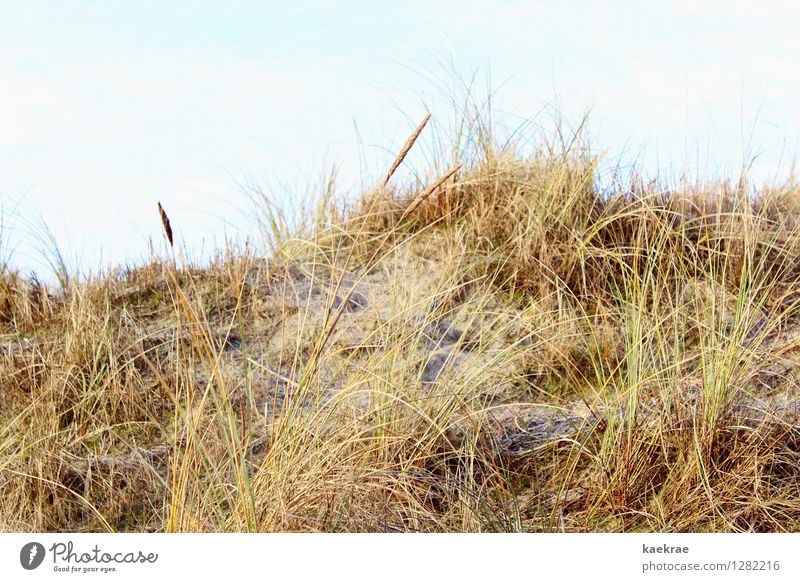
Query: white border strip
{"x":402,"y":557}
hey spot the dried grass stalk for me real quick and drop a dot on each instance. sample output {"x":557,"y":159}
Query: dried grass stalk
{"x":430,"y":190}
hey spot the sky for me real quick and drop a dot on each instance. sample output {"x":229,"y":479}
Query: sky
{"x":108,"y":107}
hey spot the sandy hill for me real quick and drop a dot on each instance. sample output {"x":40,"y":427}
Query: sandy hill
{"x":502,"y":348}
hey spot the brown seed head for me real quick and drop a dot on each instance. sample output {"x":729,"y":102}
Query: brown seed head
{"x":165,"y":222}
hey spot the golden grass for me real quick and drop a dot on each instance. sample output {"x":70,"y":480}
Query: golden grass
{"x":506,"y":349}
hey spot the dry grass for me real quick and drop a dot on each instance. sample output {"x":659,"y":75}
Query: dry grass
{"x":506,"y":349}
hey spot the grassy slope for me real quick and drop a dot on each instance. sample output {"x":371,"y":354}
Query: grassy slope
{"x":517,"y":353}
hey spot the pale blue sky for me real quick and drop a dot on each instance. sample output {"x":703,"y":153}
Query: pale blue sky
{"x":106,"y":107}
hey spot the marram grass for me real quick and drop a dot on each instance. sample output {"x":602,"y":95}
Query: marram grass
{"x":500,"y":348}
